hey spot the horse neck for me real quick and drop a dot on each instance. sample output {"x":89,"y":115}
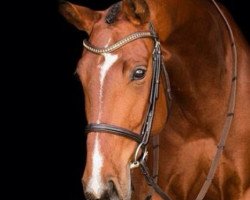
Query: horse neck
{"x":199,"y":60}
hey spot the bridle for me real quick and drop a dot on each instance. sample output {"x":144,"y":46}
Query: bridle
{"x":142,"y":138}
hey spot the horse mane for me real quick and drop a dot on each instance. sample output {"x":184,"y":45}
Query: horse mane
{"x":112,"y":13}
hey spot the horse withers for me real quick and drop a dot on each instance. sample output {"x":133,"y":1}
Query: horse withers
{"x":195,"y":135}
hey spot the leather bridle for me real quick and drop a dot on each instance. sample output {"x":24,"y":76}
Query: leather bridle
{"x":142,"y":138}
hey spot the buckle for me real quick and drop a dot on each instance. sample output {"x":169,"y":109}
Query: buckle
{"x":137,"y":161}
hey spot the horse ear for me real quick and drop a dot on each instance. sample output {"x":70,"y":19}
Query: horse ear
{"x":81,"y":17}
{"x":137,"y":11}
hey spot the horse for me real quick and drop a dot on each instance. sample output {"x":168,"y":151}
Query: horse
{"x":167,"y":97}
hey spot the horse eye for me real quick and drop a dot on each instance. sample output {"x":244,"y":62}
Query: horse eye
{"x":139,"y":73}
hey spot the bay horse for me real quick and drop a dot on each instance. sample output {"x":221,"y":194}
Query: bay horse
{"x":167,"y":91}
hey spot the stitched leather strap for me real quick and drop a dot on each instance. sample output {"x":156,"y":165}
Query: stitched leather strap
{"x":118,"y":44}
{"x":102,"y":128}
{"x":230,"y":113}
{"x":151,"y":182}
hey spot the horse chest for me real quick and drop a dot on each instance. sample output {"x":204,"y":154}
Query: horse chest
{"x":186,"y":166}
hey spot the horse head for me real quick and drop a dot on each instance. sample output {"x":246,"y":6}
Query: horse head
{"x":117,"y":87}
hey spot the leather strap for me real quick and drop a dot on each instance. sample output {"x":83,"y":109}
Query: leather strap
{"x":230,"y":113}
{"x":156,"y":141}
{"x":114,"y":130}
{"x":117,"y":45}
{"x":151,"y":182}
{"x":168,"y":90}
{"x":156,"y":148}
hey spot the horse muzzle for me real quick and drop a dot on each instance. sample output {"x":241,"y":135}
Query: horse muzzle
{"x":108,"y":193}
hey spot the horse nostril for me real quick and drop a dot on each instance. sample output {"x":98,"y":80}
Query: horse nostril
{"x":109,"y":193}
{"x":105,"y":196}
{"x":112,"y":191}
{"x":111,"y":185}
{"x":89,"y":196}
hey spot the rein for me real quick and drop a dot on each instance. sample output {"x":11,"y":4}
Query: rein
{"x":142,"y":138}
{"x":230,"y":112}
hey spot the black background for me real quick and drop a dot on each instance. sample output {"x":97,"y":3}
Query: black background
{"x":46,"y":109}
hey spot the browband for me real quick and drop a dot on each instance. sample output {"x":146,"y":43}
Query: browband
{"x":118,"y":44}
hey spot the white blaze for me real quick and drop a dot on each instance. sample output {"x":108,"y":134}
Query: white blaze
{"x":95,"y":185}
{"x":109,"y":60}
